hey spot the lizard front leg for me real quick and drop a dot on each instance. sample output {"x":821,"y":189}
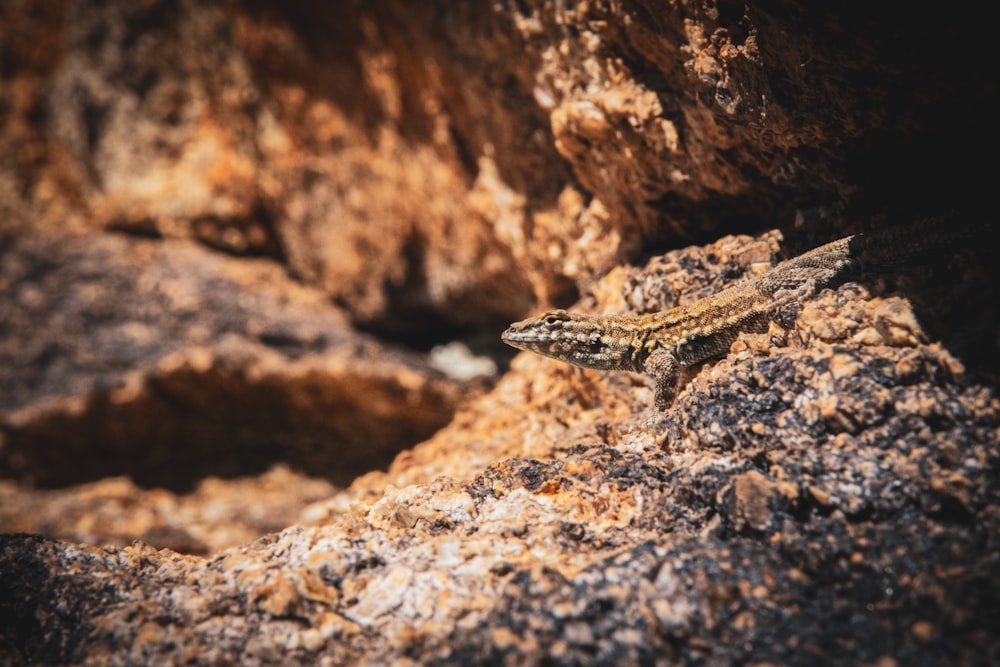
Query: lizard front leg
{"x":664,"y":367}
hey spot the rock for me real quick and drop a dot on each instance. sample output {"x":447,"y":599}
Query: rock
{"x":171,"y":362}
{"x":752,"y":497}
{"x":215,"y":515}
{"x":436,"y":174}
{"x":186,"y":188}
{"x":740,"y":525}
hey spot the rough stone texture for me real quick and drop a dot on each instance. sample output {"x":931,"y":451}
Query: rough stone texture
{"x":823,"y":494}
{"x":437,"y":166}
{"x":833,"y":497}
{"x":168,"y":362}
{"x":300,"y":134}
{"x":115,"y":511}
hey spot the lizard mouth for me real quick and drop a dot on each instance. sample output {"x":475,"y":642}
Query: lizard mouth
{"x":513,"y":338}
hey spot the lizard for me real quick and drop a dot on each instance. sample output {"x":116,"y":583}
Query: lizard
{"x":669,"y":345}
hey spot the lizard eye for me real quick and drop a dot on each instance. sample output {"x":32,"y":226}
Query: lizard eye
{"x":555,"y":317}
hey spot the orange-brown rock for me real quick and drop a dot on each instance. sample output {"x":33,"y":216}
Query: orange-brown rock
{"x":203,"y":202}
{"x":169,"y":362}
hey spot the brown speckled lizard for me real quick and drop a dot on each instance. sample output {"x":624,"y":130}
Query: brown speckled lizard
{"x":667,"y":344}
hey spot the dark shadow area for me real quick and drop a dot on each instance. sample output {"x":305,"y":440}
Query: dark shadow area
{"x":944,"y":263}
{"x":191,"y":425}
{"x":710,"y":220}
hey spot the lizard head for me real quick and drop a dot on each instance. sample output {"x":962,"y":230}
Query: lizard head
{"x":590,"y":341}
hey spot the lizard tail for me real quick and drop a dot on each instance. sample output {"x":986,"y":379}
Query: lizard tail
{"x":916,"y":241}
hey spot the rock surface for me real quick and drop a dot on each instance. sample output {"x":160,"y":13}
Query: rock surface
{"x":833,"y":498}
{"x":433,"y":167}
{"x":115,"y":511}
{"x":169,"y":362}
{"x":201,"y":203}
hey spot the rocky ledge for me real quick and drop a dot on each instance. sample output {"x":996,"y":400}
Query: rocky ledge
{"x":826,"y":494}
{"x":232,"y":234}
